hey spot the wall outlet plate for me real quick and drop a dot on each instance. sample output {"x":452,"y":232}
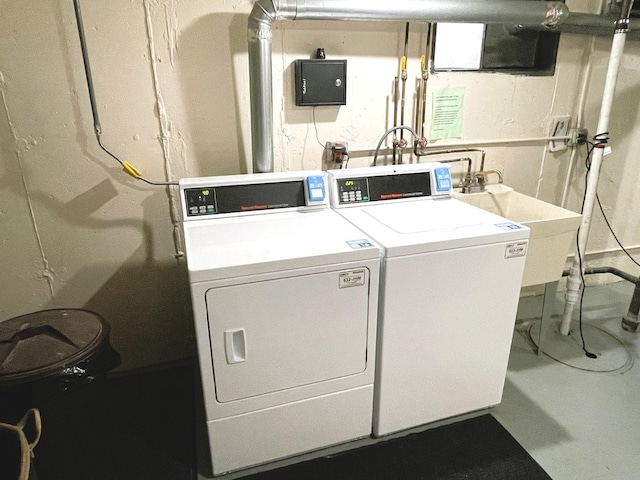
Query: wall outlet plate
{"x":559,"y":128}
{"x":336,"y":152}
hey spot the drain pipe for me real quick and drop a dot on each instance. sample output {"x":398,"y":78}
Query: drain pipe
{"x":266,"y":12}
{"x":574,"y":282}
{"x":630,"y":320}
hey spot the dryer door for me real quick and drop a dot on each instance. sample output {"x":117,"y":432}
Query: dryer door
{"x":279,"y":334}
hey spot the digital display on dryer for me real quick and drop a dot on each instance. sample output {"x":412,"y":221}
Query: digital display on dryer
{"x":200,"y":201}
{"x":260,"y":196}
{"x":244,"y":198}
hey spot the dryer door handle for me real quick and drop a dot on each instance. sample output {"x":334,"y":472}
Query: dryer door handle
{"x":235,"y":345}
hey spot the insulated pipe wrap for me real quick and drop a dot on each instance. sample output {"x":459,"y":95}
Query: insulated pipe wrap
{"x":458,"y":11}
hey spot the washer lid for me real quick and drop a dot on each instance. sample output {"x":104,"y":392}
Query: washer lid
{"x":428,"y":225}
{"x":424,"y":216}
{"x":43,"y":343}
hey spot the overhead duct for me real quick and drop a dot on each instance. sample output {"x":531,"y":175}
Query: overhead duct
{"x":266,"y":12}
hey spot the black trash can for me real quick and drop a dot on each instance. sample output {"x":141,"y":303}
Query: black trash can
{"x":55,"y":360}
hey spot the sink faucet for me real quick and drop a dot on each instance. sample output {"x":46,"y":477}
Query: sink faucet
{"x":484,"y":174}
{"x":480,"y":179}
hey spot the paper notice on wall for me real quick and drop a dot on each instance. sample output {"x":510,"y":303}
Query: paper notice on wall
{"x":446,"y":117}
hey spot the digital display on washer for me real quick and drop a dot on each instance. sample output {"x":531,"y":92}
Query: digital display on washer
{"x":244,"y":198}
{"x":384,"y":187}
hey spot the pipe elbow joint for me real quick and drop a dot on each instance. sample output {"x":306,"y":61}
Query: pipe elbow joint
{"x":263,"y":13}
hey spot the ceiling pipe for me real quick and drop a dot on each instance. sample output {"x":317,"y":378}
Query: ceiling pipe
{"x":266,"y":12}
{"x":589,"y":24}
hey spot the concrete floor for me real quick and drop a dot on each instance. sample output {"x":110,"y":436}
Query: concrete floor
{"x":576,"y":422}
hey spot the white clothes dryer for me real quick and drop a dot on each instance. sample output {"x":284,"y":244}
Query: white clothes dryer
{"x":285,"y":295}
{"x":449,"y":290}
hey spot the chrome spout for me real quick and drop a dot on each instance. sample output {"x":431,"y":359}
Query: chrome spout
{"x":485,"y":173}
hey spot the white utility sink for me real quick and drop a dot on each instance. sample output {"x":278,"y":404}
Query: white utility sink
{"x":553,"y":229}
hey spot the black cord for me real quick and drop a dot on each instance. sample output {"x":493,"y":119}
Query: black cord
{"x":138,"y":177}
{"x":92,"y":100}
{"x":580,"y":310}
{"x":606,"y":220}
{"x":584,"y":345}
{"x":601,"y":140}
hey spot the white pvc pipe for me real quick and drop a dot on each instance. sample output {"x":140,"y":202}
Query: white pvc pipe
{"x":580,"y":116}
{"x":574,"y":282}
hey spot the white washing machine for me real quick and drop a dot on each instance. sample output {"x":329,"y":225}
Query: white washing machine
{"x":449,"y":289}
{"x":285,"y":295}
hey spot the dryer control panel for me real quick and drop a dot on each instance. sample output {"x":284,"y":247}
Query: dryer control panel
{"x":245,"y":194}
{"x":375,"y":184}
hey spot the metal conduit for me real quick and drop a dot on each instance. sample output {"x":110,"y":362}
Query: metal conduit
{"x":266,"y":12}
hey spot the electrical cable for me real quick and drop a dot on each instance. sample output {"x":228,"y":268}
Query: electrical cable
{"x":601,"y":140}
{"x":315,"y":126}
{"x":582,"y":279}
{"x":584,"y":346}
{"x":126,"y":166}
{"x":604,"y":216}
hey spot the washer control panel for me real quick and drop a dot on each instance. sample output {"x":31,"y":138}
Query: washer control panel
{"x":353,"y":190}
{"x":375,"y":184}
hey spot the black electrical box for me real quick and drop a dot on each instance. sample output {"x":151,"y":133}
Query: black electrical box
{"x":320,"y":82}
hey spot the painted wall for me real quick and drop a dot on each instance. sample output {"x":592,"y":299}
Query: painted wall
{"x":171,"y":81}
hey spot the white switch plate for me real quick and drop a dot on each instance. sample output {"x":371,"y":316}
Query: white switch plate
{"x":559,"y":128}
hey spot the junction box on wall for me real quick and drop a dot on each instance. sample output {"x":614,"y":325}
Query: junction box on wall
{"x":320,"y":82}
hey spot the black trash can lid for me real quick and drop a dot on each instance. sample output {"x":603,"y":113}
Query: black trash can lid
{"x":43,"y":343}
